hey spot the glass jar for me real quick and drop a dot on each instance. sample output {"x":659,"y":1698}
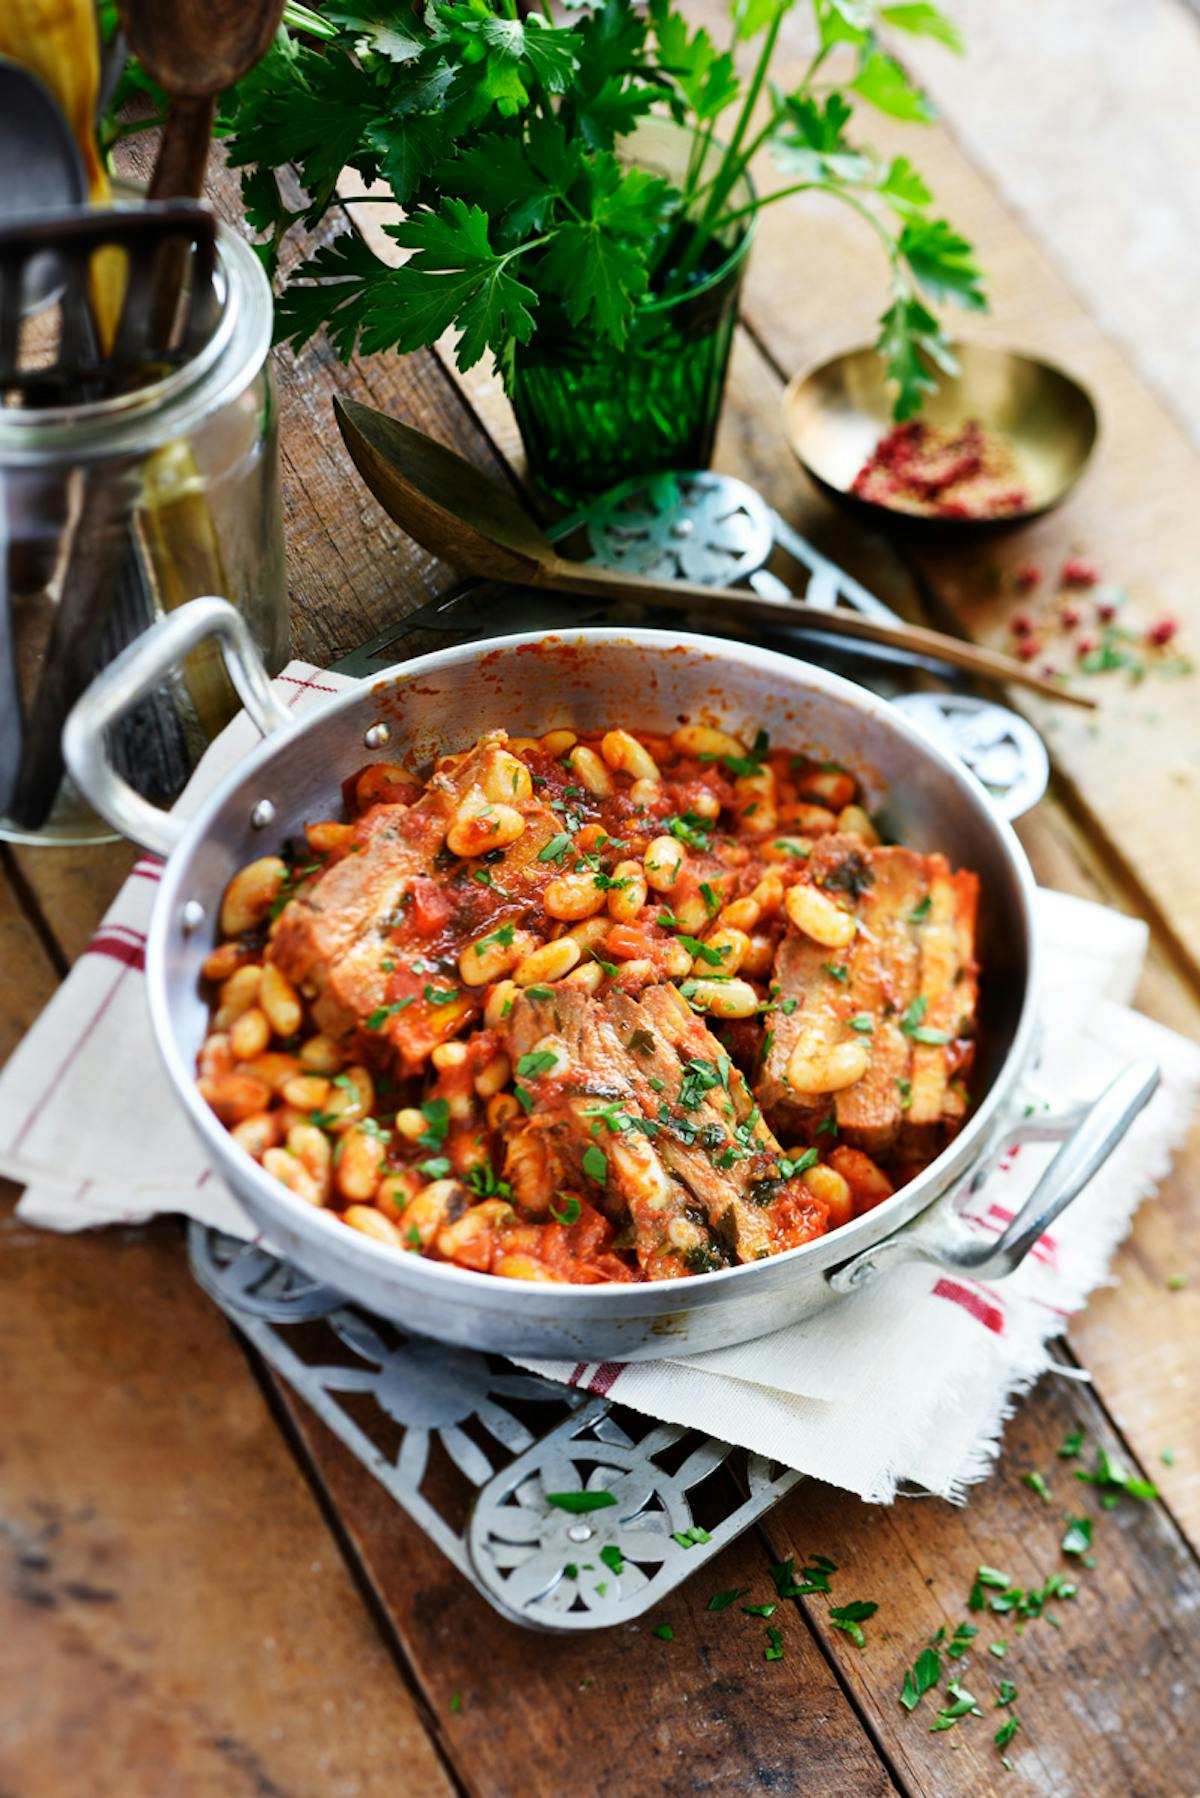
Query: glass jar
{"x":592,"y":414}
{"x":115,"y":512}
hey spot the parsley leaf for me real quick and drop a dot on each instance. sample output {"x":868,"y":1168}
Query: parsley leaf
{"x":580,"y":1502}
{"x":570,"y":1213}
{"x":595,"y":1164}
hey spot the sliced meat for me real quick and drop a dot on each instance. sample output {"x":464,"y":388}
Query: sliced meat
{"x":686,"y":1151}
{"x":357,"y":937}
{"x":908,"y":971}
{"x":948,"y":986}
{"x":883,"y":964}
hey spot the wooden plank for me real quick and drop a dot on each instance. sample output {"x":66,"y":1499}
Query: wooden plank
{"x":617,"y":1709}
{"x":175,"y":1615}
{"x":30,"y":972}
{"x":1106,"y":1701}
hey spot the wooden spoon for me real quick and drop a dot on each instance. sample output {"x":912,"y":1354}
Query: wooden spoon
{"x":460,"y":515}
{"x":194,"y":49}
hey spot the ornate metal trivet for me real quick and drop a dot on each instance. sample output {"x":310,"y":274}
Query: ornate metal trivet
{"x":471,"y":1447}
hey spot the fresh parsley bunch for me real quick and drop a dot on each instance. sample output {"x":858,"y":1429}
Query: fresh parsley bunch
{"x":500,"y":134}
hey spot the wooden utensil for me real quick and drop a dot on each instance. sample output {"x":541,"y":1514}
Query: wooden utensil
{"x":463,"y":517}
{"x":194,"y":50}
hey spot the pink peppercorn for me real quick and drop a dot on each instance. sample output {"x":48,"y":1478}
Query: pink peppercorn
{"x":1161,"y":631}
{"x":1028,"y":575}
{"x":1071,"y":615}
{"x":1079,"y":572}
{"x":1106,"y":611}
{"x":1084,"y":646}
{"x":1027,"y":648}
{"x":1021,"y":624}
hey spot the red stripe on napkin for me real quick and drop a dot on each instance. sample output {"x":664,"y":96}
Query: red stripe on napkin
{"x":316,"y":685}
{"x":118,"y":948}
{"x":990,"y":1316}
{"x":605,"y":1377}
{"x":146,"y":870}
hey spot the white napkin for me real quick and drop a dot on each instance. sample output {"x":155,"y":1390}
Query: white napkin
{"x":907,"y":1383}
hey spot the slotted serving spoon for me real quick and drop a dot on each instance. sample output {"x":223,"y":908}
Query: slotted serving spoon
{"x":456,"y":512}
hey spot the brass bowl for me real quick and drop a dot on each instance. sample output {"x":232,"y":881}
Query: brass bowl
{"x":835,"y":415}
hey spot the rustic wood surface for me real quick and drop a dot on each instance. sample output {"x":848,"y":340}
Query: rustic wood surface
{"x":205,"y":1593}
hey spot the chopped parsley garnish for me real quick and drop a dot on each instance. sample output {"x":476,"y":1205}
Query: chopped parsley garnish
{"x":705,"y":952}
{"x":835,"y":972}
{"x":556,"y":848}
{"x":664,"y":1632}
{"x":1037,"y":1484}
{"x":920,"y":911}
{"x":792,"y":848}
{"x":699,"y":1077}
{"x":538,"y":992}
{"x":1078,"y":1539}
{"x":921,"y":1677}
{"x":1114,"y":1478}
{"x":986,"y":1576}
{"x":863,"y":1022}
{"x":721,"y":1601}
{"x":605,"y":883}
{"x":788,"y":1168}
{"x":437,"y":1167}
{"x":999,"y":1649}
{"x":481,"y":1178}
{"x":912,"y":1025}
{"x":482,"y":876}
{"x":711,"y":898}
{"x":788,"y":1006}
{"x":691,"y":829}
{"x":1007,"y":1693}
{"x":537,"y":1061}
{"x":504,"y":936}
{"x":904,"y":1087}
{"x":641,"y":1040}
{"x":1072,"y":1445}
{"x":456,"y":1701}
{"x":382,"y":1013}
{"x":613,"y":1558}
{"x":690,"y":1538}
{"x":760,"y":1610}
{"x":579,"y":1502}
{"x":961,"y":1640}
{"x":1007,"y":1731}
{"x":849,"y":1617}
{"x":570,"y":1214}
{"x":523,"y":1097}
{"x":774,"y":1649}
{"x":436,"y":1113}
{"x":441,"y":996}
{"x":412,"y":1237}
{"x":595,"y":1164}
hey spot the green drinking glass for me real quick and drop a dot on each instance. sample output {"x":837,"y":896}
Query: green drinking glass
{"x":592,"y":414}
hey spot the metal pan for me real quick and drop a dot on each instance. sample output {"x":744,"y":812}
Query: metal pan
{"x":589,"y":679}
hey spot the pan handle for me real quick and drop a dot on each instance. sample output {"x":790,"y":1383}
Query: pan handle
{"x":136,"y":672}
{"x":939,"y":1236}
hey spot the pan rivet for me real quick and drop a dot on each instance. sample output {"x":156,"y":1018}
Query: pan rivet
{"x":683,"y":527}
{"x":263,"y":814}
{"x":191,"y":917}
{"x":580,"y":1532}
{"x":376,"y":736}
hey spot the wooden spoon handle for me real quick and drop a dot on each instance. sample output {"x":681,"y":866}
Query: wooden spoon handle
{"x":611,"y":583}
{"x":183,"y":152}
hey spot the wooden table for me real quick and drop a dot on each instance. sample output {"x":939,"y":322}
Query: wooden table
{"x":205,"y":1594}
